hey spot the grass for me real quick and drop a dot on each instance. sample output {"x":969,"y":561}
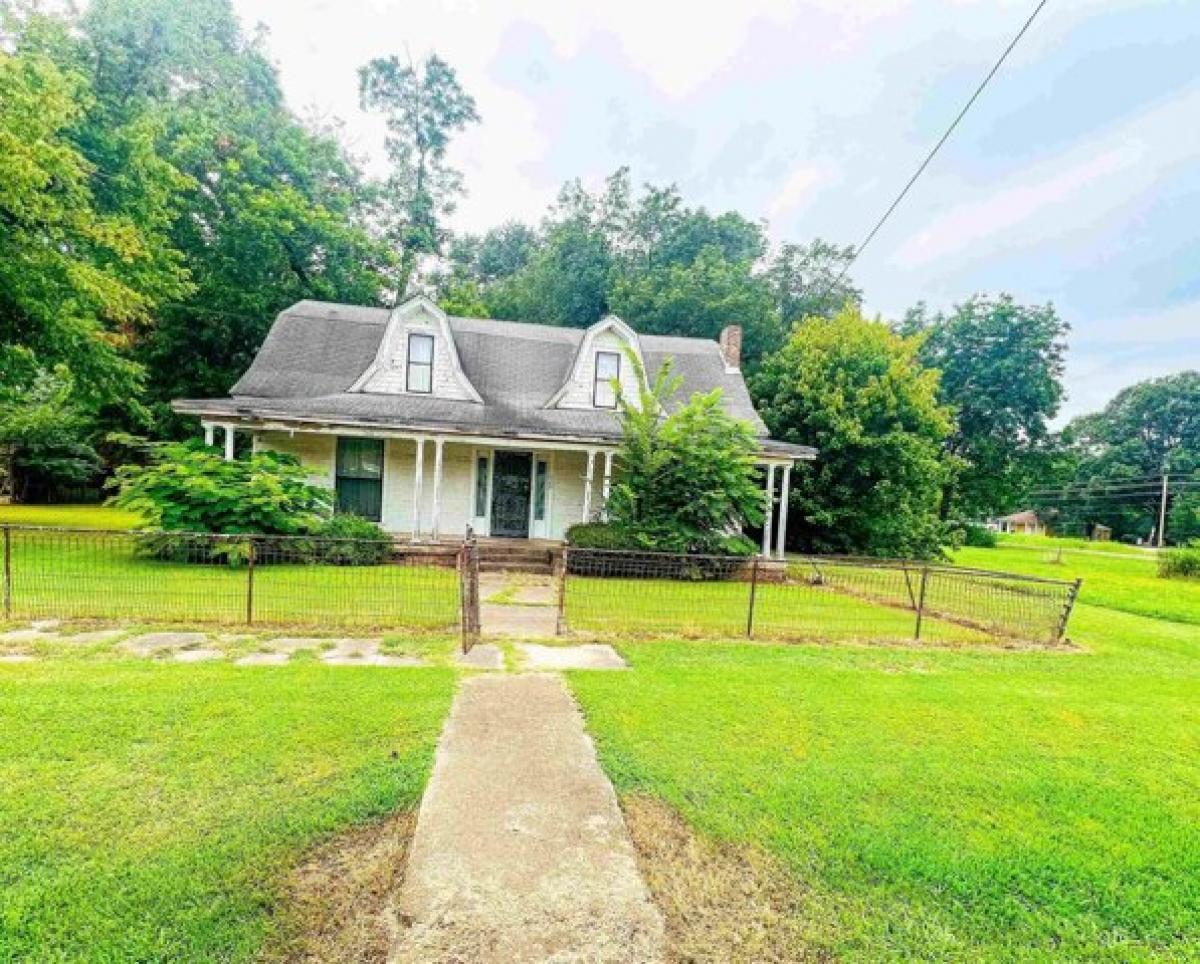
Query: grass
{"x":101,"y":576}
{"x":152,"y":812}
{"x":795,"y":609}
{"x":939,"y":804}
{"x":1121,"y":578}
{"x":69,"y":516}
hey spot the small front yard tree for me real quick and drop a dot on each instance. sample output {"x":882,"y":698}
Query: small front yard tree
{"x":685,"y":477}
{"x":857,"y":391}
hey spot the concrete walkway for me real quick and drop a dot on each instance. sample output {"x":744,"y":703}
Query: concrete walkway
{"x":521,"y":853}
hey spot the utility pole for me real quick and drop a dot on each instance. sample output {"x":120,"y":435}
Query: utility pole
{"x":1162,"y":513}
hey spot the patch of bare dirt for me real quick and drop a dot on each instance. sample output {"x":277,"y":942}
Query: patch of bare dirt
{"x":721,"y":903}
{"x":337,"y":903}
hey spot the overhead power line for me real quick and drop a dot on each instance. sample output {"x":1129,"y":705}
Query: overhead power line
{"x":938,"y":146}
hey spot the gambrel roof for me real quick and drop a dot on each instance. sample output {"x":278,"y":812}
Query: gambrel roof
{"x":316,"y":361}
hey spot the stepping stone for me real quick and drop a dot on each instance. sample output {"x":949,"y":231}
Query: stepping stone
{"x":378,"y":659}
{"x":294,"y":644}
{"x":91,"y":636}
{"x":481,"y":656}
{"x":16,"y":658}
{"x":263,"y":659}
{"x":150,"y":644}
{"x":587,"y":656}
{"x":197,"y":655}
{"x":351,"y":649}
{"x":45,"y":625}
{"x":25,"y":636}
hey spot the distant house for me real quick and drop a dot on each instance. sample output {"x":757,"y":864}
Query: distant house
{"x":1024,"y":523}
{"x":429,"y":424}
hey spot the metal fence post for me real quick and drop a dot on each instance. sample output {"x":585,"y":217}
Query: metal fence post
{"x":7,"y":572}
{"x":921,"y":601}
{"x":250,"y":584}
{"x":753,"y":596}
{"x":560,"y":624}
{"x":1068,"y":606}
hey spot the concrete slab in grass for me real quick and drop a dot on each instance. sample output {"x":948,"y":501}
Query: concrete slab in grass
{"x":152,"y":644}
{"x":16,"y":658}
{"x":587,"y":656}
{"x":25,"y":636}
{"x":372,"y":659}
{"x":197,"y":655}
{"x":351,"y":649}
{"x":295,"y":644}
{"x":263,"y":659}
{"x":481,"y":656}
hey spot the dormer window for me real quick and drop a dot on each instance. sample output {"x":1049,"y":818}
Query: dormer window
{"x":419,"y":377}
{"x":608,"y":368}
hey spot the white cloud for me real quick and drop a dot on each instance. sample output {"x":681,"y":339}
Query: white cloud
{"x":796,"y":191}
{"x":1013,"y":207}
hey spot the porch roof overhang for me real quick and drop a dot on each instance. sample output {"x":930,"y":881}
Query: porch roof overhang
{"x":260,"y":417}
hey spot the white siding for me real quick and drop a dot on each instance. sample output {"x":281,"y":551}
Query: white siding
{"x":392,"y":374}
{"x":578,"y":393}
{"x":398,"y":475}
{"x":317,"y":453}
{"x":569,"y":472}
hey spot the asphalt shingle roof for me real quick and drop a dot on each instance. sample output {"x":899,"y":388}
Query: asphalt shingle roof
{"x":316,"y":351}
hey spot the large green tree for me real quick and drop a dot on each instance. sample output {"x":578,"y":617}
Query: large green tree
{"x":423,"y":106}
{"x":857,"y":391}
{"x":271,"y":211}
{"x":1001,"y":366}
{"x":663,"y":266}
{"x":83,"y":260}
{"x":1119,"y":454}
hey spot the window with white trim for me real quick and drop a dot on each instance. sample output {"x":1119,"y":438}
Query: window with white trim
{"x":608,"y":370}
{"x":419,"y":377}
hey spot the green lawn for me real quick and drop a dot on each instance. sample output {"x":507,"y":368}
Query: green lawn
{"x":938,"y":804}
{"x":101,"y":576}
{"x":791,"y":610}
{"x":71,"y":516}
{"x":151,"y":811}
{"x":1121,"y":578}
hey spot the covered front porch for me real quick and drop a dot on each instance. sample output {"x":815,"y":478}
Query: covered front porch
{"x":429,"y":487}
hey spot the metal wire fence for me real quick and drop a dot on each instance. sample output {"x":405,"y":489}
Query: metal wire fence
{"x":807,"y":598}
{"x":229,"y":579}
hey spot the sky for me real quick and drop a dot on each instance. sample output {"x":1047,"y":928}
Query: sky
{"x":1075,"y":179}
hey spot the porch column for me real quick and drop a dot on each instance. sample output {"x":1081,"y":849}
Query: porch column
{"x":781,"y":534}
{"x":769,"y":511}
{"x":228,"y":443}
{"x":607,"y":485}
{"x":418,"y":480}
{"x":437,"y":485}
{"x":588,"y":478}
{"x":208,"y":433}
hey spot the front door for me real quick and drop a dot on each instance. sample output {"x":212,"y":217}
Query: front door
{"x":512,"y":474}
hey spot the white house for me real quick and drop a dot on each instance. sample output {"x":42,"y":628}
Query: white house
{"x":429,"y":424}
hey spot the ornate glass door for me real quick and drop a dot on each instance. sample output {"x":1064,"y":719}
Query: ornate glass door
{"x":512,"y":478}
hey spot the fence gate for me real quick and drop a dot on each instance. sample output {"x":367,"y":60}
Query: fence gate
{"x":468,"y":573}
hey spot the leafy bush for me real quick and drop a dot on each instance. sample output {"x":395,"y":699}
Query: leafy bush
{"x":685,"y":481}
{"x":1182,"y":563}
{"x":189,"y":487}
{"x":980,"y":537}
{"x":601,"y":535}
{"x":357,"y":542}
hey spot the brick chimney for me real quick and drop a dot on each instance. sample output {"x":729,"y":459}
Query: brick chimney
{"x":731,"y":346}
